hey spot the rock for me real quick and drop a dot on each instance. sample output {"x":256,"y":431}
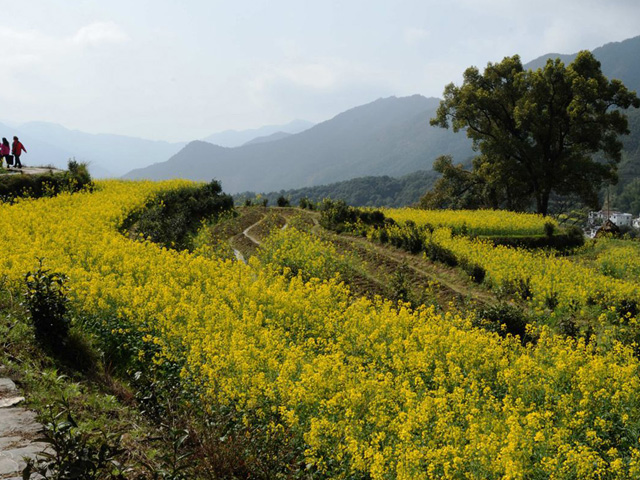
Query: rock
{"x":7,"y":388}
{"x":10,"y":401}
{"x":18,"y":428}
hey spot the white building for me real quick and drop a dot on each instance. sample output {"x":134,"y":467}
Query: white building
{"x":621,"y":219}
{"x":597,"y":217}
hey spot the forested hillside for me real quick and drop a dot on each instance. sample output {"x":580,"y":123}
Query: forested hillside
{"x":383,"y":191}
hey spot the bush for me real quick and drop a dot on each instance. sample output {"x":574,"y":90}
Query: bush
{"x":306,"y":204}
{"x":283,"y":202}
{"x":47,"y":302}
{"x":505,"y":319}
{"x":549,"y":228}
{"x":438,"y":253}
{"x":573,"y":237}
{"x":172,"y":216}
{"x":475,"y":271}
{"x":337,"y":215}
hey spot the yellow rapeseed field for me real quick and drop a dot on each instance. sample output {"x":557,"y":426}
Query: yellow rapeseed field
{"x":477,"y":222}
{"x":367,"y":388}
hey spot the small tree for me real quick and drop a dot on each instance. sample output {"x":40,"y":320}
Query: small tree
{"x":283,"y":201}
{"x":538,"y":131}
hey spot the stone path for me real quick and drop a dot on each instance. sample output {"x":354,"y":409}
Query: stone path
{"x":18,"y":427}
{"x":31,"y":170}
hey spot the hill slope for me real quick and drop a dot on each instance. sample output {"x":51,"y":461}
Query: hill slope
{"x":390,"y":136}
{"x":618,"y":60}
{"x":237,"y":138}
{"x":269,"y":138}
{"x":383,"y":191}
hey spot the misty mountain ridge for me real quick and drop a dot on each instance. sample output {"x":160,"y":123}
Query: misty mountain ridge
{"x":390,"y":136}
{"x":618,"y":60}
{"x":108,"y":155}
{"x":237,"y":138}
{"x":269,"y":138}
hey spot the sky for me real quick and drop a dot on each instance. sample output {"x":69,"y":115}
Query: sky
{"x":179,"y":70}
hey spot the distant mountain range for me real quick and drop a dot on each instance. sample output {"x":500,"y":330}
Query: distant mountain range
{"x":390,"y":136}
{"x":269,"y":138}
{"x":108,"y":155}
{"x":237,"y":138}
{"x":114,"y":155}
{"x":618,"y":59}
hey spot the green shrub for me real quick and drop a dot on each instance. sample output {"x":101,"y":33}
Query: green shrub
{"x":505,"y":319}
{"x":47,"y":302}
{"x":549,"y":228}
{"x":74,"y":453}
{"x":337,"y":216}
{"x":283,"y":202}
{"x":438,"y":253}
{"x":171,"y":217}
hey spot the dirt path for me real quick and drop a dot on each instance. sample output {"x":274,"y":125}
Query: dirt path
{"x":18,"y":427}
{"x":379,"y":264}
{"x":251,"y":237}
{"x":451,"y":279}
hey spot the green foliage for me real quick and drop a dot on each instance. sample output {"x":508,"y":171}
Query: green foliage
{"x":176,"y":464}
{"x":337,"y":215}
{"x":549,"y":228}
{"x":76,"y":453}
{"x":400,"y":286}
{"x":172,"y":216}
{"x":47,"y":302}
{"x":457,"y":189}
{"x":505,"y":319}
{"x":572,"y":237}
{"x":372,"y":191}
{"x":294,"y":252}
{"x":629,"y":198}
{"x":75,"y":179}
{"x":283,"y":201}
{"x":306,"y":204}
{"x":537,"y":131}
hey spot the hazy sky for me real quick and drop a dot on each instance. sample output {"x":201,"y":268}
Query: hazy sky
{"x":183,"y":69}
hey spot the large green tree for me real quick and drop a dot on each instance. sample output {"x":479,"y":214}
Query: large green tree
{"x":554,"y":130}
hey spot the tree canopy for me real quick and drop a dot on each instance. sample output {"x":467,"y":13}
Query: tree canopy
{"x":552,"y":131}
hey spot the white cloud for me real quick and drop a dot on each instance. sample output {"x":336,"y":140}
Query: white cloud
{"x":100,"y":33}
{"x":413,"y":35}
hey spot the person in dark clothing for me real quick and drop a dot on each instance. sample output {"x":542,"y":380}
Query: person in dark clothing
{"x":17,"y":149}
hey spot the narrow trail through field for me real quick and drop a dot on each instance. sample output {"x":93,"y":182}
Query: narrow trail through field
{"x":378,"y":263}
{"x":450,"y":278}
{"x":251,"y":237}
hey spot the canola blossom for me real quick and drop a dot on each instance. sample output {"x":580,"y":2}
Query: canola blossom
{"x":550,"y":279}
{"x":367,"y":388}
{"x":619,"y":259}
{"x":475,"y":222}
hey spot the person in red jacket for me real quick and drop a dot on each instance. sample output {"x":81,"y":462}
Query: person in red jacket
{"x":17,"y":149}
